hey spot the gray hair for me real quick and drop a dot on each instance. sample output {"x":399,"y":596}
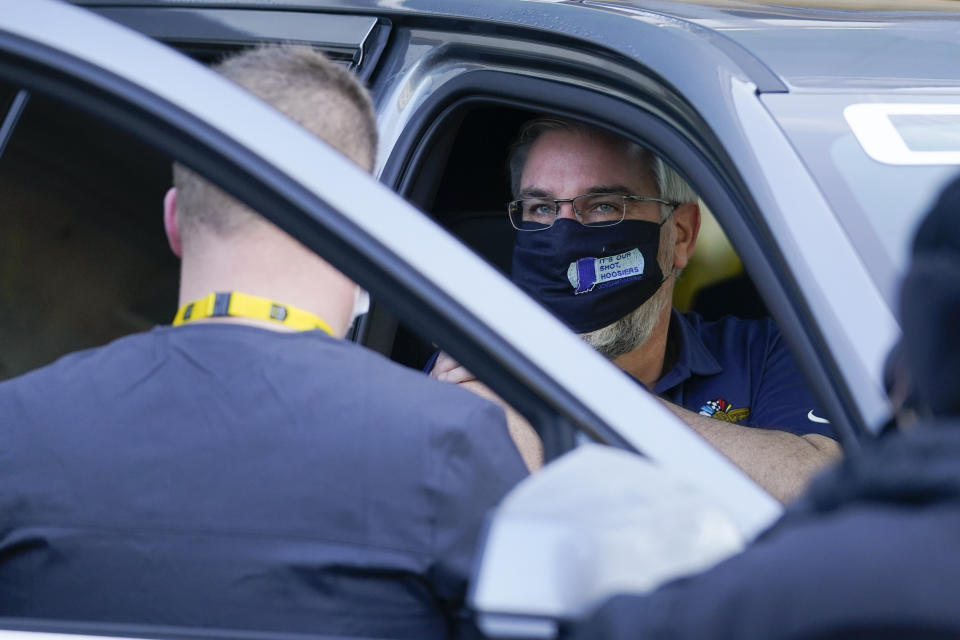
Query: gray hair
{"x":629,"y":332}
{"x":669,"y":183}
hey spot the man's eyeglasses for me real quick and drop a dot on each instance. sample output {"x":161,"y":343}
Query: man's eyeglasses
{"x":591,"y":209}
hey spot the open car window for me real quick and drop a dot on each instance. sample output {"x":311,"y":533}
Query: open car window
{"x":84,"y":258}
{"x":463,"y":180}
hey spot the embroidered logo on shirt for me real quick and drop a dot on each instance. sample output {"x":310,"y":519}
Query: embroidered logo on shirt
{"x":586,"y":273}
{"x":720,"y":409}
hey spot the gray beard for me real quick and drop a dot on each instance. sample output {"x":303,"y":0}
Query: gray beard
{"x":630,"y":331}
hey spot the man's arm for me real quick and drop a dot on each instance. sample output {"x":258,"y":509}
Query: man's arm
{"x":779,"y":461}
{"x":446,"y":369}
{"x":522,"y":432}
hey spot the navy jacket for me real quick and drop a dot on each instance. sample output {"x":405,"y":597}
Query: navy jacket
{"x":233,"y":477}
{"x":872,"y":551}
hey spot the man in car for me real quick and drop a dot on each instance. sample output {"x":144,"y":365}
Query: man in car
{"x":247,"y":468}
{"x":604,"y":227}
{"x":871,"y":551}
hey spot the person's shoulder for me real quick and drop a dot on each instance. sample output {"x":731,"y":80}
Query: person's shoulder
{"x":318,"y":362}
{"x":413,"y":387}
{"x":728,"y":323}
{"x":443,"y":417}
{"x":78,"y":365}
{"x":732,"y":328}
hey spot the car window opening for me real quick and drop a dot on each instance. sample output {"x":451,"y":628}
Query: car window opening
{"x":466,"y":188}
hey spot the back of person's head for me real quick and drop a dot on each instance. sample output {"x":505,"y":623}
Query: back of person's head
{"x":929,"y":351}
{"x":302,"y":83}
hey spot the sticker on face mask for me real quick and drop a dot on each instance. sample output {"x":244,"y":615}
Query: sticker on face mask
{"x":586,"y":273}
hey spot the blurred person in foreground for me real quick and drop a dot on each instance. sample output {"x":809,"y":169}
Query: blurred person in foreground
{"x":247,"y":468}
{"x":873,"y":548}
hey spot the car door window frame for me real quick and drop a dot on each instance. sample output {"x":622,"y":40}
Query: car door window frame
{"x":700,"y":158}
{"x":357,"y":40}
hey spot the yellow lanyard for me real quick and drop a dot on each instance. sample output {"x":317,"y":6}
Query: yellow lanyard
{"x":241,"y":305}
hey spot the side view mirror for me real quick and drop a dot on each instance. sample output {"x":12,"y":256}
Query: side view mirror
{"x":595,"y":522}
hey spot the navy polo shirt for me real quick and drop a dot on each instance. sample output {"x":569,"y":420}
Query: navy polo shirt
{"x":739,"y":371}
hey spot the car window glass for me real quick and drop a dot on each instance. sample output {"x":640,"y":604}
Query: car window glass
{"x":83,"y":257}
{"x":82,"y":254}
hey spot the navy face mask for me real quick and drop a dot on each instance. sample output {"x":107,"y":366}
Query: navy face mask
{"x":589,"y":276}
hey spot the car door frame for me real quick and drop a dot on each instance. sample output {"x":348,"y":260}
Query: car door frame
{"x":66,"y":52}
{"x":591,"y":85}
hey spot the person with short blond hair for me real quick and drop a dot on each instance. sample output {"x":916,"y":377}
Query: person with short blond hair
{"x":247,"y":468}
{"x":302,"y":83}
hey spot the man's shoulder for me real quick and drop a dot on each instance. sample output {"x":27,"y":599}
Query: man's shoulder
{"x":731,"y":328}
{"x":411,"y":392}
{"x":77,"y":365}
{"x":734,"y":342}
{"x":307,"y":357}
{"x":243,"y":370}
{"x":754,"y":370}
{"x":316,"y":372}
{"x":407,"y":410}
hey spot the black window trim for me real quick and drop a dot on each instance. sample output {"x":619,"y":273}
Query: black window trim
{"x":163,"y":22}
